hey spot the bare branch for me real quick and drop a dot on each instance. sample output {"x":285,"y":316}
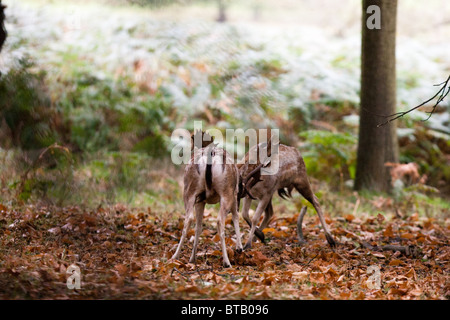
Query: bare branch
{"x":441,"y":94}
{"x":406,"y":250}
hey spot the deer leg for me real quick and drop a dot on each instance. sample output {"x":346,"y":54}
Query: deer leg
{"x":245,"y":215}
{"x":255,"y":219}
{"x":245,"y":209}
{"x":187,"y":223}
{"x":221,"y":230}
{"x":199,"y":209}
{"x":328,"y":235}
{"x":235,"y":217}
{"x":268,"y":213}
{"x":306,"y":192}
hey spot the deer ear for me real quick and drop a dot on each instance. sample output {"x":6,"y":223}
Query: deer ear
{"x":192,"y":141}
{"x":207,"y":137}
{"x":194,"y":137}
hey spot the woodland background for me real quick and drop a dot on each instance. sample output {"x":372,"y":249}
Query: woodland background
{"x":90,"y":92}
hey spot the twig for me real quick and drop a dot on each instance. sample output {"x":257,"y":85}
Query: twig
{"x":183,"y":274}
{"x":300,"y":237}
{"x":310,"y":260}
{"x":406,"y":250}
{"x":442,"y":93}
{"x":166,"y":234}
{"x":200,"y":274}
{"x":218,"y":274}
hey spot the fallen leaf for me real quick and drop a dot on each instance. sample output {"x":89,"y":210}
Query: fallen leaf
{"x":394,"y":291}
{"x":259,"y":258}
{"x":380,"y":218}
{"x":121,"y":268}
{"x":388,"y":231}
{"x":395,"y":262}
{"x":411,"y":274}
{"x":301,"y":275}
{"x":349,"y":217}
{"x":317,"y":277}
{"x":407,"y":235}
{"x":345,"y":295}
{"x":189,"y":289}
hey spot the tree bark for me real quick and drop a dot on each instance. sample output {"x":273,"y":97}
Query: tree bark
{"x":2,"y":26}
{"x":222,"y":17}
{"x":377,"y":145}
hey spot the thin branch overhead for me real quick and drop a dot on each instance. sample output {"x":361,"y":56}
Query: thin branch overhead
{"x":441,"y":94}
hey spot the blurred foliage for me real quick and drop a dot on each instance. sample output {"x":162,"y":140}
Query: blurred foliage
{"x":106,"y":114}
{"x":49,"y":178}
{"x":115,"y":97}
{"x":329,"y":156}
{"x":26,"y":111}
{"x":431,"y":152}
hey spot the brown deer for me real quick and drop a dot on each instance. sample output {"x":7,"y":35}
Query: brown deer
{"x":211,"y":177}
{"x":291,"y":175}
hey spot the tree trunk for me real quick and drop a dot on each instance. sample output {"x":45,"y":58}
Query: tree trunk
{"x":222,"y":17}
{"x":377,"y":145}
{"x":2,"y":26}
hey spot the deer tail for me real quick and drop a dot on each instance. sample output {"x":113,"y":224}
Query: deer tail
{"x":208,"y":171}
{"x":285,"y":193}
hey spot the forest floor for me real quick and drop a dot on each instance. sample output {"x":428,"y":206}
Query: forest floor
{"x":124,"y":253}
{"x":136,"y":67}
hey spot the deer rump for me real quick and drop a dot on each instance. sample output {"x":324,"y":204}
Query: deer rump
{"x":211,"y":164}
{"x":210,"y":177}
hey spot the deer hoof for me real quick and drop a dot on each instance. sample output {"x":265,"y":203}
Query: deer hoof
{"x":226,"y":265}
{"x":330,"y":240}
{"x":260,"y":235}
{"x":239,"y":250}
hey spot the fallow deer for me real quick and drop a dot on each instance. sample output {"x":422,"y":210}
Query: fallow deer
{"x":291,"y":175}
{"x":211,"y":177}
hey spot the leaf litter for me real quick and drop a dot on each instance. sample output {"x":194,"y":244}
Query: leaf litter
{"x":125,"y":253}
